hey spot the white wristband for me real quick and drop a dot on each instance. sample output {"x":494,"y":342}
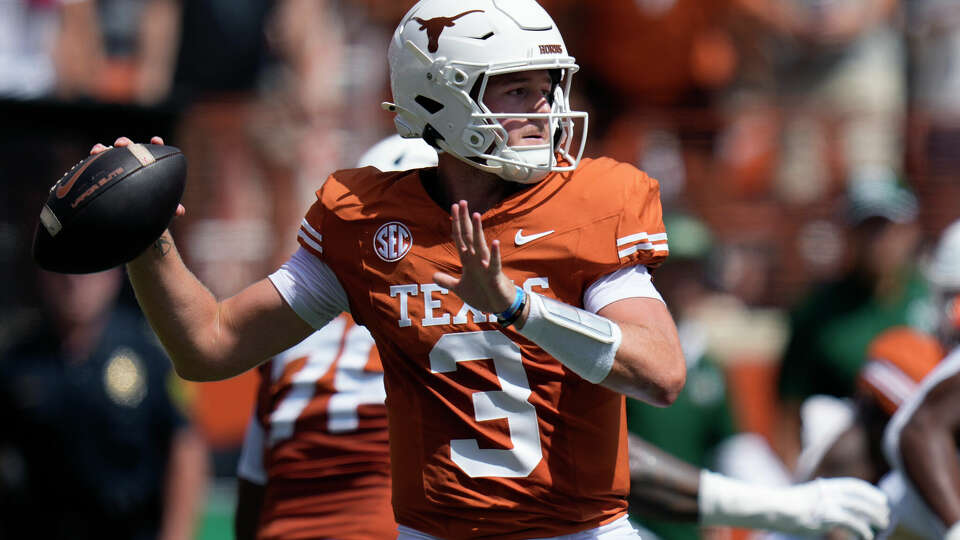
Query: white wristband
{"x":584,"y":342}
{"x":725,"y":501}
{"x":953,"y":533}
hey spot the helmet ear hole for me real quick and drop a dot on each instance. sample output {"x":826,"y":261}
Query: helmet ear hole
{"x":432,"y":106}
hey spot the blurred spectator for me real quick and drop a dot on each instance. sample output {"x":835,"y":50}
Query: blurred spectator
{"x":139,"y":40}
{"x":834,"y":71}
{"x":832,"y":326}
{"x":933,"y":31}
{"x":93,"y":444}
{"x":658,"y":72}
{"x":47,"y":48}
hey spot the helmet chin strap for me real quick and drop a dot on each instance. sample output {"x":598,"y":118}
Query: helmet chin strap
{"x":525,"y":174}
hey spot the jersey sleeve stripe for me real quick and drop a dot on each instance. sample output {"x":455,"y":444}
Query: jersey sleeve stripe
{"x":644,"y":246}
{"x":309,"y":242}
{"x":888,"y":380}
{"x":640,"y":237}
{"x":307,"y":228}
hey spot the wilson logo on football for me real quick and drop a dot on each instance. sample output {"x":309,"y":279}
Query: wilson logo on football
{"x":392,"y":241}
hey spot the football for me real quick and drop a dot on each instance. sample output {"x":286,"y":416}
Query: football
{"x":109,"y":208}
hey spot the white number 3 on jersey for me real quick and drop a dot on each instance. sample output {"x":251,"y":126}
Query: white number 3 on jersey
{"x":510,"y":403}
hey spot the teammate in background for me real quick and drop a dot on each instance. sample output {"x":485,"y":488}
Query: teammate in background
{"x":920,"y":442}
{"x":504,"y":398}
{"x":897,"y":360}
{"x":315,"y":460}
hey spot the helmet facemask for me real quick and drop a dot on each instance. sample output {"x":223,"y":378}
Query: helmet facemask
{"x":439,"y":80}
{"x":528,"y":163}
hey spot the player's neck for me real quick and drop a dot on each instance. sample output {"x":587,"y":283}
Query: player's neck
{"x":458,"y":181}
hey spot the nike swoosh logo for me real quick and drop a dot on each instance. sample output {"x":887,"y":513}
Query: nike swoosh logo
{"x":520,"y":239}
{"x":65,"y":188}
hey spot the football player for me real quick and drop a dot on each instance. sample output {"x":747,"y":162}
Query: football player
{"x":920,"y":441}
{"x":315,"y":459}
{"x":505,"y":362}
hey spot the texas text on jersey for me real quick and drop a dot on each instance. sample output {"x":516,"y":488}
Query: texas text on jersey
{"x":493,"y":430}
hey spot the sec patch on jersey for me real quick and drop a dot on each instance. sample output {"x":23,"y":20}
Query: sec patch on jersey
{"x":109,"y":208}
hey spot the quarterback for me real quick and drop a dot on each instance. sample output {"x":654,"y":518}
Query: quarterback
{"x":507,"y":290}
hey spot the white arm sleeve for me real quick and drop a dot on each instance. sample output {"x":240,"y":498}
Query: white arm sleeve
{"x":630,"y":282}
{"x":250,"y":464}
{"x":311,"y":288}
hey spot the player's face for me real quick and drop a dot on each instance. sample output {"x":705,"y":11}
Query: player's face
{"x":521,"y":92}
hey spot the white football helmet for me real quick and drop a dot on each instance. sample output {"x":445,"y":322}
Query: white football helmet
{"x":395,"y":153}
{"x":943,"y":273}
{"x":445,"y":50}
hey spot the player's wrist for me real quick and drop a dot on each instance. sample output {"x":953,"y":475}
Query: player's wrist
{"x":512,"y":313}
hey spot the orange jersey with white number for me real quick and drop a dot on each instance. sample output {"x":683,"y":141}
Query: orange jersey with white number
{"x":897,"y":360}
{"x":490,"y":436}
{"x":326,"y":453}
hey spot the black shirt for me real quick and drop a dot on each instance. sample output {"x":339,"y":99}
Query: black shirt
{"x":84,"y":445}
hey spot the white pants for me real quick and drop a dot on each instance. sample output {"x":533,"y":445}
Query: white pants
{"x":620,"y":529}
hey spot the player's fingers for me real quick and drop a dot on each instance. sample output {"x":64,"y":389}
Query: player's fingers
{"x":495,"y":257}
{"x":455,"y":229}
{"x":445,"y":280}
{"x":877,"y":515}
{"x":480,"y":240}
{"x":97,"y":148}
{"x":156,"y":140}
{"x":860,"y":497}
{"x":122,"y":141}
{"x":466,"y":227}
{"x":857,"y":526}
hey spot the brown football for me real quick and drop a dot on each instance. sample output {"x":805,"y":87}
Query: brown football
{"x":109,"y":208}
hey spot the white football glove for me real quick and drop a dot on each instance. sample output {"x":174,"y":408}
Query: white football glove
{"x":813,"y":508}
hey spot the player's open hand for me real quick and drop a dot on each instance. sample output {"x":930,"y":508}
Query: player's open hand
{"x":483,"y":285}
{"x":124,"y":141}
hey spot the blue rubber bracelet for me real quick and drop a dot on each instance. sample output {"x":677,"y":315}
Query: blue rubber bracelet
{"x":506,"y":318}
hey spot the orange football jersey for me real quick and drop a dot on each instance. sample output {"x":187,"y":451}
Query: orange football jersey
{"x":897,"y":360}
{"x":326,"y":453}
{"x":490,"y":436}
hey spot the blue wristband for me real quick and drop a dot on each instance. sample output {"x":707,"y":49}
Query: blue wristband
{"x":508,"y":317}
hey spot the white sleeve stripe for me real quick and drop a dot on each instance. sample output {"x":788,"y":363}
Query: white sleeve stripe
{"x":639,"y":237}
{"x":645,"y":246}
{"x":309,"y":241}
{"x":894,"y":383}
{"x":305,"y":226}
